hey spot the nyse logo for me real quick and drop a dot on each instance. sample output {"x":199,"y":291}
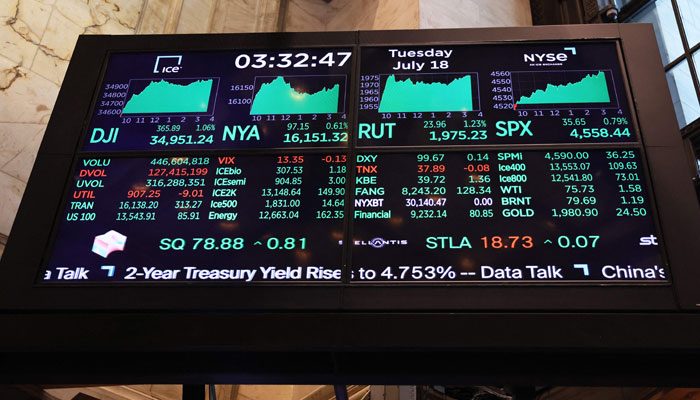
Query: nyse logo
{"x":167,"y":64}
{"x":549,"y":57}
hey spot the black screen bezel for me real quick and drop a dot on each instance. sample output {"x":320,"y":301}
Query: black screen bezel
{"x":30,"y":235}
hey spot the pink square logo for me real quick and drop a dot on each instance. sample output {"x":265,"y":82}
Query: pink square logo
{"x":108,"y":242}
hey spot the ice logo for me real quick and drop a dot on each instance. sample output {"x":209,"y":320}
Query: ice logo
{"x":108,"y":242}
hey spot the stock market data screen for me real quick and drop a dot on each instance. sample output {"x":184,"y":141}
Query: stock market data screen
{"x":493,"y":94}
{"x":215,"y":100}
{"x":223,"y":217}
{"x":495,"y":216}
{"x":513,"y":163}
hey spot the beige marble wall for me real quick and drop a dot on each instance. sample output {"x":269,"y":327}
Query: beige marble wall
{"x":160,"y":16}
{"x":474,"y":13}
{"x":317,"y":15}
{"x":350,"y":15}
{"x":196,"y":16}
{"x":209,"y":16}
{"x":37,"y":38}
{"x":245,"y":16}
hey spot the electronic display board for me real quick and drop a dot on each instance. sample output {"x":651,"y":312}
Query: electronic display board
{"x":490,"y":216}
{"x":216,"y":217}
{"x":504,"y":216}
{"x":219,"y":100}
{"x":493,"y":94}
{"x":411,"y":198}
{"x":452,"y":213}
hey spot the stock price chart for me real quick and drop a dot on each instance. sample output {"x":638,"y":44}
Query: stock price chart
{"x":234,"y":99}
{"x":495,"y":94}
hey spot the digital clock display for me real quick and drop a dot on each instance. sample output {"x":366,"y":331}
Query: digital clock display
{"x":470,"y":164}
{"x":224,"y":100}
{"x":291,"y":60}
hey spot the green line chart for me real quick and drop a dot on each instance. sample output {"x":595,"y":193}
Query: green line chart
{"x":429,"y":93}
{"x":563,"y":89}
{"x":304,"y":94}
{"x":173,"y":96}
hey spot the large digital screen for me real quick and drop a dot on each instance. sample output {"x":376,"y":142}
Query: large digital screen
{"x":492,"y":94}
{"x":471,"y":164}
{"x":504,"y":216}
{"x":216,"y":217}
{"x":223,"y":100}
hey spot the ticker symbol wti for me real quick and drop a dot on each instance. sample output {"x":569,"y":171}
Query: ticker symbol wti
{"x":98,"y":135}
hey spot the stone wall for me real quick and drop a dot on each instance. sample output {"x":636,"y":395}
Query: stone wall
{"x":37,"y":38}
{"x":474,"y":13}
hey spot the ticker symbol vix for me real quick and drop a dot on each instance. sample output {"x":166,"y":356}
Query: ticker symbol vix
{"x":107,"y":243}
